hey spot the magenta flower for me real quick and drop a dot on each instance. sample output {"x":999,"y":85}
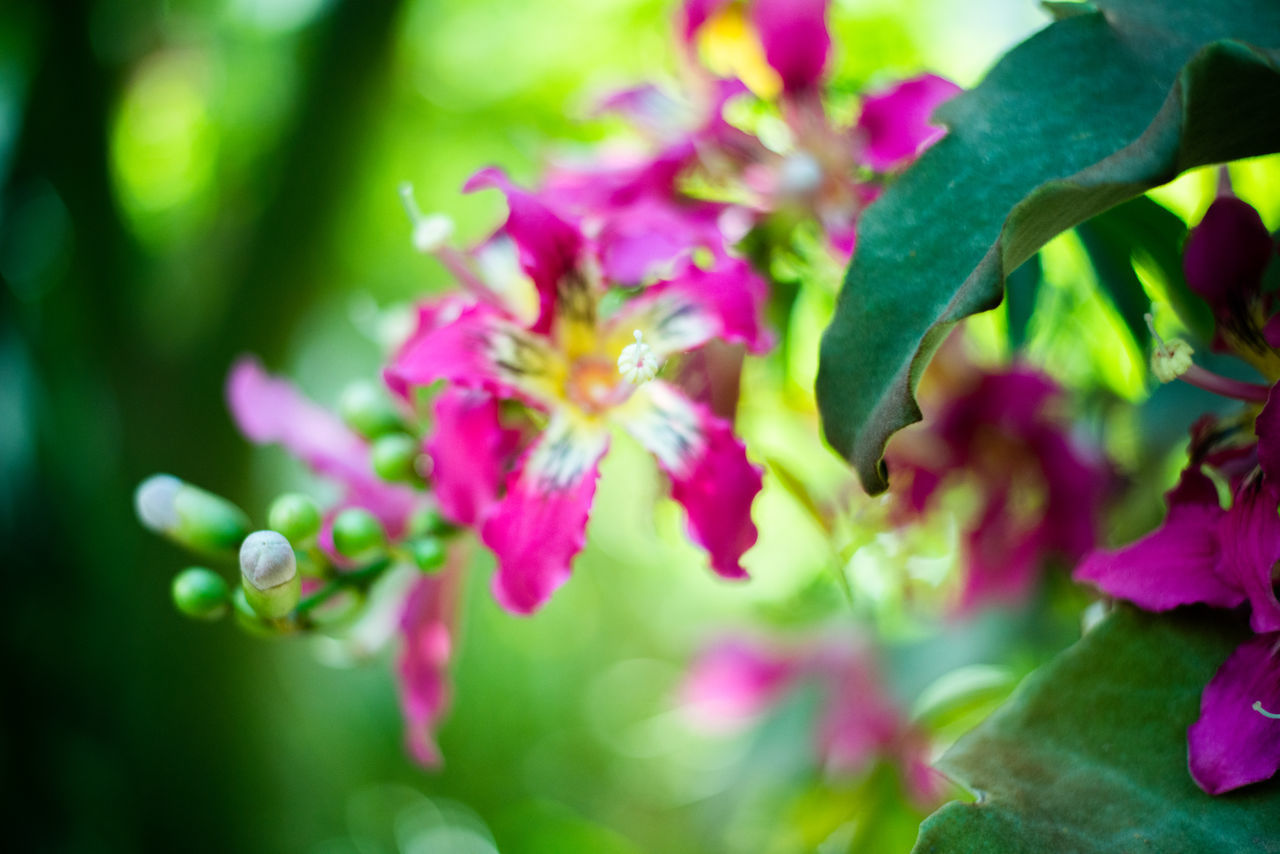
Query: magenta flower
{"x":736,"y":680}
{"x":1203,"y":553}
{"x":540,"y":340}
{"x":1039,"y":493}
{"x":792,"y":34}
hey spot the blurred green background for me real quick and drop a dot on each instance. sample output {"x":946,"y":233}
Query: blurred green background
{"x":188,"y":181}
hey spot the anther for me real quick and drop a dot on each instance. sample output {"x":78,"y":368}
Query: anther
{"x":637,"y":363}
{"x":430,"y":232}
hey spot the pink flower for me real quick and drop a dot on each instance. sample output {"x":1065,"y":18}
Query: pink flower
{"x":1038,"y":493}
{"x":895,"y":126}
{"x":735,"y":680}
{"x":1206,"y":554}
{"x":792,"y":35}
{"x":423,"y":662}
{"x":539,"y":339}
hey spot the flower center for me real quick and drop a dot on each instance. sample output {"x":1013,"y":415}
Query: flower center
{"x":594,"y":385}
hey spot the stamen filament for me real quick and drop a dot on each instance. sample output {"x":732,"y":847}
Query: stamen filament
{"x":1257,"y":707}
{"x":1171,"y":360}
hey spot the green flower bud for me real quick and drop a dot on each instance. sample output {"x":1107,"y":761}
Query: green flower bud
{"x":428,"y":553}
{"x":394,"y":456}
{"x":357,"y":534}
{"x":269,"y":574}
{"x":294,"y":515}
{"x":367,"y":410}
{"x":427,"y":522}
{"x":201,"y":593}
{"x":190,"y":516}
{"x":247,"y":618}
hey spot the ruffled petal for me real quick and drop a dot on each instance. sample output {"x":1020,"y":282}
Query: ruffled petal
{"x":1250,"y":544}
{"x":794,"y":36}
{"x":538,"y":527}
{"x":271,"y":410}
{"x":895,"y":125}
{"x":711,"y":476}
{"x":471,"y":453}
{"x":422,"y":664}
{"x":696,"y":306}
{"x":1175,"y":564}
{"x":482,"y":350}
{"x":1232,"y":744}
{"x":550,"y":248}
{"x":735,"y":680}
{"x":650,"y":236}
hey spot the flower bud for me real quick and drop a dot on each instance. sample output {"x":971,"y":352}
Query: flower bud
{"x":201,"y":593}
{"x":394,"y":456}
{"x":269,"y":574}
{"x":294,"y":515}
{"x":428,"y":553}
{"x":427,"y":522}
{"x":367,"y":410}
{"x":246,"y":617}
{"x":190,"y":516}
{"x":357,"y":534}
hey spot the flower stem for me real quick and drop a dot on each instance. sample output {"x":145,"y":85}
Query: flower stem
{"x":1218,"y":384}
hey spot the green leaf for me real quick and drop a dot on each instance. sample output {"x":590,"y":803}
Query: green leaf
{"x":1090,"y":753}
{"x":1020,"y":299}
{"x":1091,"y":111}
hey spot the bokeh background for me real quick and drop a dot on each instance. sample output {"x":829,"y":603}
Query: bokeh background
{"x":184,"y":182}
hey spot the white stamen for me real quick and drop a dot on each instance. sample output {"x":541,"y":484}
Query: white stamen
{"x":430,"y":232}
{"x":1257,"y":707}
{"x":637,"y":363}
{"x":1169,"y":359}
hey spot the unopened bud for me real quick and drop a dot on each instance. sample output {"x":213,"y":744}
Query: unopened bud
{"x":294,"y":515}
{"x":428,"y":553}
{"x":247,"y":617}
{"x":357,"y":534}
{"x":637,"y":363}
{"x":394,"y":457}
{"x":367,"y":410}
{"x":190,"y":516}
{"x":201,"y":593}
{"x":269,"y":574}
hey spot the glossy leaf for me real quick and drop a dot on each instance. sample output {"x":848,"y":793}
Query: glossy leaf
{"x":1091,"y":111}
{"x":1090,"y":753}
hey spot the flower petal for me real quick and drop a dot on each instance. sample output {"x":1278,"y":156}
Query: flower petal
{"x":697,"y":306}
{"x":268,"y":409}
{"x":538,"y":527}
{"x":860,"y":719}
{"x":1232,"y":744}
{"x":479,"y":349}
{"x":734,"y":680}
{"x":652,"y":234}
{"x":711,"y":476}
{"x":895,"y":125}
{"x":1250,"y":549}
{"x":550,"y":248}
{"x":1226,"y":254}
{"x":422,"y":664}
{"x":1267,"y":426}
{"x":794,"y":36}
{"x":1175,"y":564}
{"x":470,"y":454}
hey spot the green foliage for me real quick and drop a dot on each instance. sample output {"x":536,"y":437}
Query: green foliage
{"x":1090,"y":754}
{"x":1091,"y":111}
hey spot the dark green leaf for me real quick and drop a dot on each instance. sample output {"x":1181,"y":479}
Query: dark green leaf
{"x":1090,"y":755}
{"x":1020,"y":299}
{"x":1091,"y":111}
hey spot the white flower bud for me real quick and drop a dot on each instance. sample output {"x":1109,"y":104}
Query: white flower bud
{"x":154,"y":502}
{"x":267,"y":560}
